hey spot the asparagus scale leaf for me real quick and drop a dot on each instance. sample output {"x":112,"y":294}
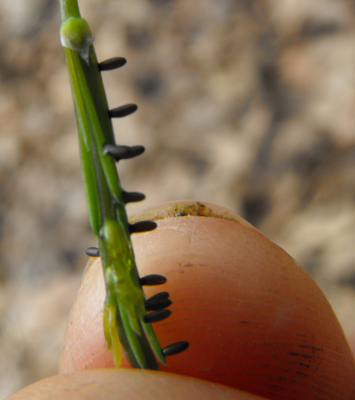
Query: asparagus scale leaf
{"x":125,"y":315}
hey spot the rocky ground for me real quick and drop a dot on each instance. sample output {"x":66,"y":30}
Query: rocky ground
{"x":249,"y":104}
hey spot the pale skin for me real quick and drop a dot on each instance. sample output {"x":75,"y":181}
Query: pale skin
{"x":111,"y":383}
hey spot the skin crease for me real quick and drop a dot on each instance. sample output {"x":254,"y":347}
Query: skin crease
{"x":85,"y":349}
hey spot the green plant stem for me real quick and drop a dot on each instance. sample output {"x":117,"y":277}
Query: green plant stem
{"x":124,"y":308}
{"x":69,"y":8}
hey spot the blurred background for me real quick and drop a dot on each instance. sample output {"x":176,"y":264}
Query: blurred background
{"x":249,"y":104}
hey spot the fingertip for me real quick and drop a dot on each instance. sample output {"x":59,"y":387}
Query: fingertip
{"x":132,"y":384}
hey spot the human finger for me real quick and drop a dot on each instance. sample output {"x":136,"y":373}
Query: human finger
{"x":127,"y":384}
{"x":255,"y":320}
